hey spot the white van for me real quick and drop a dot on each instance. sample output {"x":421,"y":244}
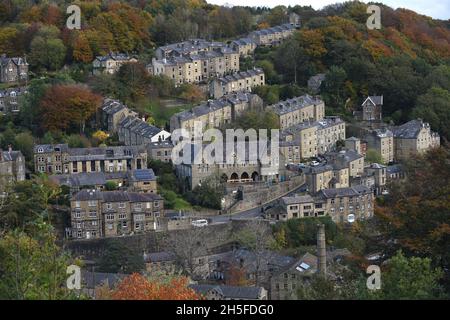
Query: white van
{"x":200,"y":223}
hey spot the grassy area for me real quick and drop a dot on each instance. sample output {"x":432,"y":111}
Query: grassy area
{"x":161,"y":114}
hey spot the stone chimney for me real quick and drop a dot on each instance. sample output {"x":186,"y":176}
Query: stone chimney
{"x":321,"y":251}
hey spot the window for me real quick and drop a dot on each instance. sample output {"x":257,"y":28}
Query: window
{"x":92,"y":213}
{"x":78,"y":214}
{"x":77,"y":204}
{"x":109,"y":206}
{"x":122,"y":215}
{"x":109,"y":217}
{"x":92,"y":203}
{"x":122,"y":205}
{"x":156,"y":204}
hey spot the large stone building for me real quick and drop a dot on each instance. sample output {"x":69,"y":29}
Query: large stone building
{"x":341,"y":204}
{"x":134,"y":131}
{"x":309,"y":139}
{"x":371,"y":109}
{"x":326,"y":177}
{"x":97,"y":214}
{"x":239,"y":81}
{"x":12,"y":167}
{"x":192,"y":46}
{"x":413,"y":138}
{"x":111,"y":63}
{"x":13,"y":69}
{"x":349,"y":159}
{"x":113,"y":112}
{"x":297,"y":110}
{"x":59,"y":159}
{"x":382,"y":141}
{"x":161,"y":150}
{"x":11,"y":100}
{"x":245,"y":46}
{"x":195,"y":172}
{"x":197,"y":67}
{"x":139,"y":180}
{"x":216,"y":113}
{"x":272,"y":36}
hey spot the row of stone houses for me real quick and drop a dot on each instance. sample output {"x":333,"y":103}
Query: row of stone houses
{"x":341,"y":204}
{"x":399,"y":143}
{"x":197,"y":67}
{"x":239,"y":81}
{"x":96,"y":214}
{"x":136,"y":180}
{"x":60,"y":159}
{"x":309,"y":139}
{"x":13,"y":69}
{"x":272,"y":36}
{"x":11,"y":100}
{"x":216,"y":113}
{"x":298,"y":110}
{"x":111,"y":62}
{"x":131,"y":130}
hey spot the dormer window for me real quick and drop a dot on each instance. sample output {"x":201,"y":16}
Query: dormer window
{"x":40,"y":150}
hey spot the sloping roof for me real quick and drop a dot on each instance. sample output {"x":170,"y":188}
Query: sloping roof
{"x":141,"y":175}
{"x":297,"y":199}
{"x":375,"y":100}
{"x":91,"y":280}
{"x":47,"y":148}
{"x":115,"y":196}
{"x":16,"y":60}
{"x":10,"y":156}
{"x":345,"y":192}
{"x":409,"y":130}
{"x":240,"y":75}
{"x":229,"y":291}
{"x":296,"y":103}
{"x":162,"y":256}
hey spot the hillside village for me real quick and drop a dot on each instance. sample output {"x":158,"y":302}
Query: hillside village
{"x":115,"y":185}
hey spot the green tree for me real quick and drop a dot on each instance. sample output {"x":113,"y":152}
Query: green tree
{"x":373,"y":156}
{"x":118,"y":257}
{"x":33,"y":267}
{"x":47,"y":50}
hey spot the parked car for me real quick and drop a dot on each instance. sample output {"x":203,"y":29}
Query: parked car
{"x":199,"y":223}
{"x":315,"y":163}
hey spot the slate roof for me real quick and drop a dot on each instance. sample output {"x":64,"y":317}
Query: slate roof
{"x":141,"y":175}
{"x":230,"y":292}
{"x":104,"y":153}
{"x":115,"y":56}
{"x":4,"y":60}
{"x":297,"y":199}
{"x":376,"y":100}
{"x":111,"y":106}
{"x":273,"y":30}
{"x":344,"y":192}
{"x":10,"y":156}
{"x":162,"y":256}
{"x":409,"y":130}
{"x":240,"y":75}
{"x":91,"y":280}
{"x":47,"y":148}
{"x":7,"y":92}
{"x":115,"y":196}
{"x":243,"y":42}
{"x":293,"y":104}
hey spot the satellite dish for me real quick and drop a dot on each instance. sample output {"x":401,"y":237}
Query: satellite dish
{"x":351,"y":218}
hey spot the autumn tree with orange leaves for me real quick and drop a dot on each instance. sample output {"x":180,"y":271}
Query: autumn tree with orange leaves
{"x":67,"y":106}
{"x":138,"y":287}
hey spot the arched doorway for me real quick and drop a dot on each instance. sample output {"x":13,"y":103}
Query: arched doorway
{"x":234,"y":177}
{"x":223,"y":178}
{"x":244,"y":176}
{"x":255,"y":176}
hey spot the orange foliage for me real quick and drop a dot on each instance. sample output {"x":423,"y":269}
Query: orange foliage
{"x":137,"y":287}
{"x":236,"y":277}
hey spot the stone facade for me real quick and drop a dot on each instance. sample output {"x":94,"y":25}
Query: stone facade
{"x":272,"y":36}
{"x":337,"y":203}
{"x":111,"y":62}
{"x":198,"y":67}
{"x":11,"y":100}
{"x":326,"y":177}
{"x":371,"y":109}
{"x":113,"y":112}
{"x":12,"y":167}
{"x":134,"y":131}
{"x":297,"y":110}
{"x":413,"y":138}
{"x":13,"y":69}
{"x":239,"y":81}
{"x":347,"y":159}
{"x":382,"y":141}
{"x":245,"y":46}
{"x":97,"y":214}
{"x":59,"y":159}
{"x":161,"y":151}
{"x":216,"y":113}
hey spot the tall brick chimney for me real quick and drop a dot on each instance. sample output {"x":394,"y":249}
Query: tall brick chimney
{"x":321,"y":251}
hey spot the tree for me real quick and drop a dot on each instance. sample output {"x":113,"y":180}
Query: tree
{"x":100,"y":136}
{"x":33,"y":268}
{"x":120,"y":258}
{"x":137,"y":287}
{"x":373,"y":156}
{"x":82,"y":50}
{"x":236,"y":276}
{"x":66,"y":105}
{"x":415,"y":216}
{"x":47,"y":50}
{"x":434,"y":108}
{"x":409,"y":278}
{"x":256,"y":236}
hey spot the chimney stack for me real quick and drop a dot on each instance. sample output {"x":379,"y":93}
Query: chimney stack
{"x":321,"y":251}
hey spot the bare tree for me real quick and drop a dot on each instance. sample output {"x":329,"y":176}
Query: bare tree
{"x":256,"y":236}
